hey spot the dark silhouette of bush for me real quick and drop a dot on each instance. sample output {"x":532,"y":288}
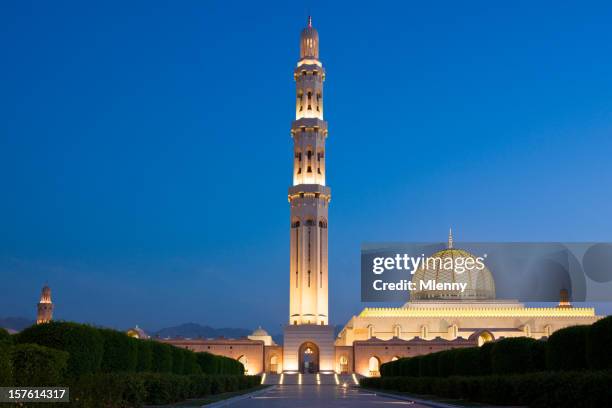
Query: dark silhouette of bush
{"x":566,"y":349}
{"x":467,"y":361}
{"x":35,"y":365}
{"x":514,"y":355}
{"x":5,"y":337}
{"x":83,"y":343}
{"x":6,"y":366}
{"x":162,"y":355}
{"x":144,"y":355}
{"x":599,"y":341}
{"x":120,"y":352}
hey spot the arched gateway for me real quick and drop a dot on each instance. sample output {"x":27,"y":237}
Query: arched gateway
{"x":309,"y":358}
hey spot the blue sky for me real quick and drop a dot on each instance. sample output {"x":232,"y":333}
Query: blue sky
{"x":145,"y":151}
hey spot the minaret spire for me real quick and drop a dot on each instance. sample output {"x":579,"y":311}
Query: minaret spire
{"x":450,"y":238}
{"x":309,"y":196}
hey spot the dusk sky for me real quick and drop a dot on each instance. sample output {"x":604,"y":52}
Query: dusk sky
{"x":145,"y":152}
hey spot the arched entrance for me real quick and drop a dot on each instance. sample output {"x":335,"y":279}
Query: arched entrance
{"x":484,"y":337}
{"x":274,"y":363}
{"x":374,"y":366}
{"x":243,"y":359}
{"x":344,"y":364}
{"x":309,"y":358}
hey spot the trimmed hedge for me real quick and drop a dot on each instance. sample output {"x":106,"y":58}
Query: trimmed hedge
{"x":144,"y":355}
{"x":516,"y":355}
{"x":513,"y":355}
{"x":213,"y":364}
{"x":178,"y":359}
{"x":566,"y":349}
{"x":83,"y":343}
{"x":120,"y":351}
{"x":135,"y":389}
{"x":162,"y":357}
{"x":35,"y":365}
{"x":5,"y":337}
{"x":539,"y":390}
{"x":598,"y":346}
{"x":6,"y":366}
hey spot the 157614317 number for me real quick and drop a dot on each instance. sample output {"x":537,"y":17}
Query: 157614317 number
{"x":34,"y":394}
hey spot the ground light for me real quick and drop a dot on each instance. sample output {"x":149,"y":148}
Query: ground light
{"x":263,"y":378}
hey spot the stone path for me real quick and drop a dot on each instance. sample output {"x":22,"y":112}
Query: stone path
{"x":302,"y":396}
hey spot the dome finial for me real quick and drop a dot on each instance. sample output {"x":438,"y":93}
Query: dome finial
{"x":309,"y":21}
{"x":450,"y":238}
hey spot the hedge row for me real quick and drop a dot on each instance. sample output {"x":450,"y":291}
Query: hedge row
{"x":93,"y":350}
{"x":572,"y":348}
{"x":540,"y":390}
{"x":136,"y":389}
{"x":517,"y":355}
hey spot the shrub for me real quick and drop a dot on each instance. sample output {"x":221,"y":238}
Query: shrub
{"x":212,"y":364}
{"x":178,"y":359}
{"x":35,"y":365}
{"x":467,"y":361}
{"x":5,"y":337}
{"x":190,"y":363}
{"x":119,"y":351}
{"x":539,"y":390}
{"x":206,"y":361}
{"x":599,"y":339}
{"x":144,"y":355}
{"x":446,"y":363}
{"x":6,"y":367}
{"x":513,"y":355}
{"x":108,"y":390}
{"x":538,"y":355}
{"x":485,"y":352}
{"x":83,"y":343}
{"x":161,"y":357}
{"x":566,"y":349}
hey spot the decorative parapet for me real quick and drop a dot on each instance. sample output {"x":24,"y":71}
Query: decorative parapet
{"x":478,"y":312}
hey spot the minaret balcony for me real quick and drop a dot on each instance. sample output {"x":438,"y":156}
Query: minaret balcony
{"x":309,"y":123}
{"x":309,"y":190}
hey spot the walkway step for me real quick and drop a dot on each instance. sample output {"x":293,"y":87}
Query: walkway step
{"x":310,"y":379}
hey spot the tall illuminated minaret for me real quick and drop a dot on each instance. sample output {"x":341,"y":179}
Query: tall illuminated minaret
{"x":45,"y":306}
{"x":309,"y":196}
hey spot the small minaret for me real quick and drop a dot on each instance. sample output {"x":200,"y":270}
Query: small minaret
{"x":45,"y":306}
{"x":450,"y":238}
{"x":564,"y":299}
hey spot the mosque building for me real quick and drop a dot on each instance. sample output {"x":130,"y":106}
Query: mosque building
{"x":431,"y":321}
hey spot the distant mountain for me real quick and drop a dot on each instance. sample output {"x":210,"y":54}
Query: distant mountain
{"x":16,"y":323}
{"x":194,"y":330}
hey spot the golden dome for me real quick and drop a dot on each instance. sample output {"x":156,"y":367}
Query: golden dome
{"x":477,"y":281}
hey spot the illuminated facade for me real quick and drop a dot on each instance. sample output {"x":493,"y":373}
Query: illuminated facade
{"x":44,"y":312}
{"x":434,"y":320}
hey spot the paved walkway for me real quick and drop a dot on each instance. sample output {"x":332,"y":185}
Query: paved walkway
{"x":302,"y":396}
